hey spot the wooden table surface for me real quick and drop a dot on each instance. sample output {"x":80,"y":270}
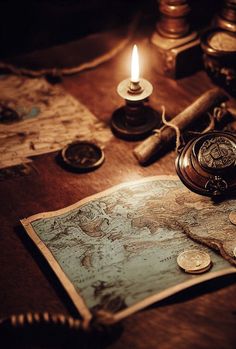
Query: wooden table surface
{"x":201,"y":317}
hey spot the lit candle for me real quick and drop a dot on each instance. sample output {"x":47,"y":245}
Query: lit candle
{"x":135,"y":120}
{"x":135,"y":65}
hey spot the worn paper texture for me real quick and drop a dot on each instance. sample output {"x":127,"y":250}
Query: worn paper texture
{"x":118,"y":249}
{"x":50,"y":118}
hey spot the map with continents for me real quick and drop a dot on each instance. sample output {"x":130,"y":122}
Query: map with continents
{"x":119,"y":248}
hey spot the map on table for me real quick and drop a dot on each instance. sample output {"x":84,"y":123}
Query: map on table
{"x":37,"y":118}
{"x":116,"y":251}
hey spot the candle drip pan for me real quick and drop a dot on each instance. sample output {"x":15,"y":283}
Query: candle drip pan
{"x":207,"y":164}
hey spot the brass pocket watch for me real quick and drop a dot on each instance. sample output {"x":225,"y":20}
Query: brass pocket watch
{"x":207,"y":164}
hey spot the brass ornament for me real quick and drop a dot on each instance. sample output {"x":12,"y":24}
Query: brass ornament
{"x":217,"y":152}
{"x":219,"y":55}
{"x":207,"y":164}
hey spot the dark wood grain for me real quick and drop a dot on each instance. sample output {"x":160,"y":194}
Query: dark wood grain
{"x":200,"y":317}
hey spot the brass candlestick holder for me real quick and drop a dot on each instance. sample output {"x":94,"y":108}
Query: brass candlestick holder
{"x":135,"y":120}
{"x":173,"y":42}
{"x":226,"y":20}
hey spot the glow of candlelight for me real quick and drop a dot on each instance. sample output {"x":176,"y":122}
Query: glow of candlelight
{"x":135,"y":65}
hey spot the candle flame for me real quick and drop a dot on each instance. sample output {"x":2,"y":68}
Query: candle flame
{"x":135,"y":65}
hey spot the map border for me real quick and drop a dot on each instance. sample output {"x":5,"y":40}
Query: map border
{"x":76,"y":298}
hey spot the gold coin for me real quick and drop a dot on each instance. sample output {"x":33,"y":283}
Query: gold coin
{"x":232,"y":217}
{"x":203,"y":270}
{"x":194,"y":261}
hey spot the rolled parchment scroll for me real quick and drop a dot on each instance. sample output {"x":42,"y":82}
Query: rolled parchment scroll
{"x":156,"y":143}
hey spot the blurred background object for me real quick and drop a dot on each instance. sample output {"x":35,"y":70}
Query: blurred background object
{"x":227,"y":16}
{"x":219,"y":47}
{"x":174,"y":41}
{"x":64,"y":37}
{"x":26,"y":26}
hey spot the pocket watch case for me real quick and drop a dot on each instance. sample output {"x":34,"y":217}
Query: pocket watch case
{"x":207,"y":164}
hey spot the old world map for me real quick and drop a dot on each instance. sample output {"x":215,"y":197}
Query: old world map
{"x":119,"y":248}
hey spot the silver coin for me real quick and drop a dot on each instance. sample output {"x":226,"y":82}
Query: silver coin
{"x":193,"y":261}
{"x":232,"y":217}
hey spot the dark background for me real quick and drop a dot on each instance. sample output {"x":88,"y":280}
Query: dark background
{"x":29,"y":25}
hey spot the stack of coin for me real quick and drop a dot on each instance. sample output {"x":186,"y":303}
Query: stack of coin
{"x":194,"y":261}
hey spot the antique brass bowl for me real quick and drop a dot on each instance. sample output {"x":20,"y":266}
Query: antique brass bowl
{"x":207,"y":164}
{"x":219,"y":58}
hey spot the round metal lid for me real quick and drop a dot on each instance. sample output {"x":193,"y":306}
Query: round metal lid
{"x":216,"y":153}
{"x":82,"y":156}
{"x":207,"y":164}
{"x":219,"y":43}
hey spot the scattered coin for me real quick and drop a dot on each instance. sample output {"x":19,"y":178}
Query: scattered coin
{"x":232,"y":217}
{"x":82,"y":156}
{"x":194,"y":261}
